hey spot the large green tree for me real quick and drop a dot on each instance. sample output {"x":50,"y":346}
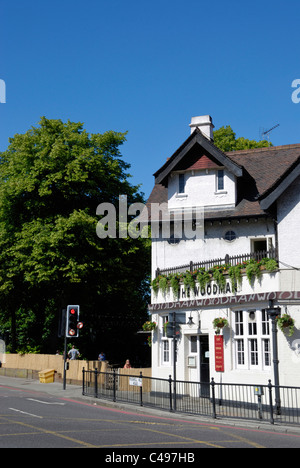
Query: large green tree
{"x":52,"y":178}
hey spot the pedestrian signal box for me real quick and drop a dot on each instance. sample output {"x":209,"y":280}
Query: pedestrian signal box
{"x":259,"y":391}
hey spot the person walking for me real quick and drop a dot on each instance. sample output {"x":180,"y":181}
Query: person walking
{"x":73,"y":353}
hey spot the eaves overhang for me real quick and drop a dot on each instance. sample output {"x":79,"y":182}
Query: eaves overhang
{"x":274,"y":192}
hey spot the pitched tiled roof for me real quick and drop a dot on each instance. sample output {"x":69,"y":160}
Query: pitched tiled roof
{"x":267,"y":165}
{"x":195,"y":145}
{"x":263,"y":170}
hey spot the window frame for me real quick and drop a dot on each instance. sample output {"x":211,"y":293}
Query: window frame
{"x":220,"y":180}
{"x":193,"y":345}
{"x":230,"y":236}
{"x":166,"y":345}
{"x":252,"y":340}
{"x":181,"y":184}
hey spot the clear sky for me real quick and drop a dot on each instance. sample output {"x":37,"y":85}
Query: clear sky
{"x":147,"y":67}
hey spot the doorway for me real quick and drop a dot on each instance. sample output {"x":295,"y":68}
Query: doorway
{"x":258,"y":245}
{"x":204,"y":365}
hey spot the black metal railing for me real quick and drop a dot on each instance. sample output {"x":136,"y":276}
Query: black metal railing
{"x":228,"y":260}
{"x":211,"y":399}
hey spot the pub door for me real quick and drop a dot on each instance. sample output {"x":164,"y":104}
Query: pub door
{"x":204,"y":366}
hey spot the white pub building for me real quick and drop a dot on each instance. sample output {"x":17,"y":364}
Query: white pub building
{"x":220,"y":287}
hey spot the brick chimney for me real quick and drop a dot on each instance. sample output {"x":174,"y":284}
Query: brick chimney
{"x":205,"y":125}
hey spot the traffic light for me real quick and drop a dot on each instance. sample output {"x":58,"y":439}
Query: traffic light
{"x":73,"y":324}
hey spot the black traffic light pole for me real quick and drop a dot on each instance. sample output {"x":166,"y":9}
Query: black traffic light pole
{"x":174,"y":360}
{"x":65,"y":363}
{"x":62,"y":332}
{"x":72,"y":320}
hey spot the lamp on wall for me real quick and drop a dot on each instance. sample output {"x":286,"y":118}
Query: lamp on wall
{"x":190,"y":320}
{"x":252,"y":316}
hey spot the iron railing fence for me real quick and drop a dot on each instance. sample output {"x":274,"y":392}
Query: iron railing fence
{"x":269,"y":403}
{"x":232,"y":260}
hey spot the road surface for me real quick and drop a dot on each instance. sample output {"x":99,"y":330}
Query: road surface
{"x":36,"y":419}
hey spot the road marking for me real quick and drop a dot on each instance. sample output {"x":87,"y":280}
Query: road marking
{"x":24,"y":412}
{"x":180,"y":439}
{"x":56,"y":434}
{"x":244,"y":439}
{"x":45,"y":402}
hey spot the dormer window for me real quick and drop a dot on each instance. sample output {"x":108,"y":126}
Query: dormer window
{"x":181,"y":183}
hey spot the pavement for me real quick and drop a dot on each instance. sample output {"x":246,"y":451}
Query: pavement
{"x":74,"y":392}
{"x":54,"y":389}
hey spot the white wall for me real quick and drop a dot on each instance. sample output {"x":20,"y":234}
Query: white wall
{"x":288,"y":207}
{"x":288,"y":350}
{"x":288,"y":347}
{"x":165,"y":255}
{"x":214,"y":246}
{"x":200,"y":190}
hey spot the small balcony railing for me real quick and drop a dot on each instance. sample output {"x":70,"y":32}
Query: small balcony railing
{"x":227,"y":260}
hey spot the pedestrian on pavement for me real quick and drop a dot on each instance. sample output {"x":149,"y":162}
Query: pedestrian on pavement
{"x":101,"y":357}
{"x":73,"y":353}
{"x":127,"y":364}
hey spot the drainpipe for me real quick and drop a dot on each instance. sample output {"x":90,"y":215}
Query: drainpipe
{"x":274,"y":312}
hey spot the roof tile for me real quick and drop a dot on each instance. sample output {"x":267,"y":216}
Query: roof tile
{"x":263,"y":168}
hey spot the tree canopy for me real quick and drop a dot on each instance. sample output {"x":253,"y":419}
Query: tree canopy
{"x":52,"y":178}
{"x":225,"y":139}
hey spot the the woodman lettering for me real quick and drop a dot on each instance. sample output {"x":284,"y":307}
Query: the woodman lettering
{"x":210,"y":289}
{"x":226,"y":300}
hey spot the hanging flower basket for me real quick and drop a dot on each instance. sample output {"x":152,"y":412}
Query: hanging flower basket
{"x":219,"y":323}
{"x":149,"y":326}
{"x":286,"y":321}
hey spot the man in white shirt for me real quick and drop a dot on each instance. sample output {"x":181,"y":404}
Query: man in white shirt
{"x":73,"y":353}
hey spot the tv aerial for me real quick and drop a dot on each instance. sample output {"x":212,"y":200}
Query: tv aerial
{"x":267,"y":133}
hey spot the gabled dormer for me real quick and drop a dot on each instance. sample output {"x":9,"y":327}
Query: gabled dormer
{"x":198,"y":173}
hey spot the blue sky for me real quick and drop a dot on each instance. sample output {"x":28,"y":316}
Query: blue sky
{"x":147,"y":67}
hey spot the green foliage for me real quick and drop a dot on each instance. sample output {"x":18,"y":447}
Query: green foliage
{"x":269,"y":263}
{"x":189,"y":280}
{"x":218,"y":273}
{"x":235,"y":275}
{"x":225,"y":139}
{"x":174,"y":283}
{"x":286,"y":321}
{"x":253,"y":271}
{"x":149,"y":326}
{"x":52,"y":178}
{"x":219,"y":323}
{"x":203,"y":277}
{"x":163,"y":284}
{"x":155,"y":285}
